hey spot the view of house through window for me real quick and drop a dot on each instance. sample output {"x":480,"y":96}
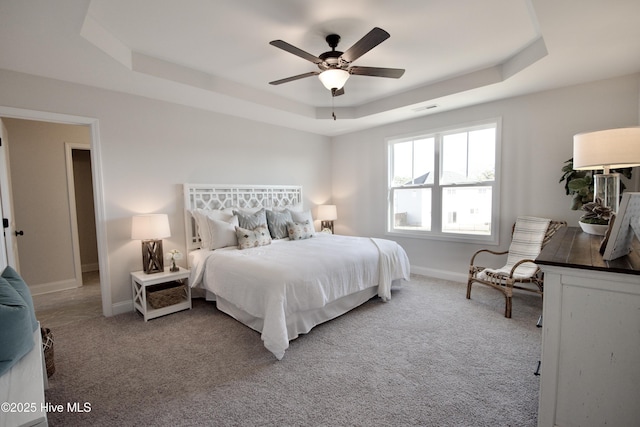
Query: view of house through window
{"x":444,"y":183}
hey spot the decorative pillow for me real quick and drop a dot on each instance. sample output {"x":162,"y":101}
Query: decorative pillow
{"x":277,"y":222}
{"x":14,"y":279}
{"x":301,"y":217}
{"x":16,"y":332}
{"x":223,"y":233}
{"x":201,"y":215}
{"x":246,"y":210}
{"x":259,"y":236}
{"x":294,"y":208}
{"x":251,"y":221}
{"x":300,"y":230}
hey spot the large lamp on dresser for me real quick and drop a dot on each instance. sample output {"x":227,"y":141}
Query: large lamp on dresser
{"x":151,"y":229}
{"x":607,"y":149}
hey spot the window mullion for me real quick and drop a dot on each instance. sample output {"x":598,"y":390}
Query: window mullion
{"x":467,"y":157}
{"x":413,"y":161}
{"x":436,"y":193}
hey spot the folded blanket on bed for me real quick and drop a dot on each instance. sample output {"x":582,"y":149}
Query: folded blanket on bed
{"x":389,"y":263}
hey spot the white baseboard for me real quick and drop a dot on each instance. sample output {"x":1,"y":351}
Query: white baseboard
{"x":90,"y":267}
{"x":47,"y":288}
{"x":440,"y":274}
{"x":122,"y":307}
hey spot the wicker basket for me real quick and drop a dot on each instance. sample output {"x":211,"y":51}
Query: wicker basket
{"x":166,"y":294}
{"x":47,"y":346}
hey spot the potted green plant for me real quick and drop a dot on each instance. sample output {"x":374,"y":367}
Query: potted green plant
{"x":596,"y":218}
{"x":578,"y":184}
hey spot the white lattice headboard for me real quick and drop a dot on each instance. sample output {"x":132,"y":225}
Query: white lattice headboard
{"x":217,"y":196}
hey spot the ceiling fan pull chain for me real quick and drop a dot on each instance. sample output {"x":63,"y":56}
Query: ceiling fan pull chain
{"x":333,"y":108}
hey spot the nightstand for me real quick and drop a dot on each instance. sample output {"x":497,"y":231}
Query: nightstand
{"x":175,"y":285}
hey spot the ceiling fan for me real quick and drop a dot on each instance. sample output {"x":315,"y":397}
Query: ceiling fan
{"x":335,"y":66}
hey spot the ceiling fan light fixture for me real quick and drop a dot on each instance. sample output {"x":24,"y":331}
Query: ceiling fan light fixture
{"x":334,"y":78}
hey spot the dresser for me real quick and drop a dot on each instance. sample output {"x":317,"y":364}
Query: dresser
{"x":590,"y":372}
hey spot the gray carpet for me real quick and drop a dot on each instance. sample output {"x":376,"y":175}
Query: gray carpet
{"x":429,"y":357}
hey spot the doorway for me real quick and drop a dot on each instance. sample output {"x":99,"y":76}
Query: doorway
{"x":97,"y":187}
{"x":82,"y":210}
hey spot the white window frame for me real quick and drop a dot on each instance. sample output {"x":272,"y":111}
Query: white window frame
{"x":437,"y":189}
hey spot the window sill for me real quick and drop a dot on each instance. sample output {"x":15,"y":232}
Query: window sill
{"x":447,"y":237}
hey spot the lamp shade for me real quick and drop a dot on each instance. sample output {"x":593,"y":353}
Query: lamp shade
{"x":327,"y":213}
{"x":607,"y":149}
{"x":150,"y":227}
{"x":334,"y":78}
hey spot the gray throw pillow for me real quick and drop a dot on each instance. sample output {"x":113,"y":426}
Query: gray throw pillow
{"x":277,"y":222}
{"x":251,"y":221}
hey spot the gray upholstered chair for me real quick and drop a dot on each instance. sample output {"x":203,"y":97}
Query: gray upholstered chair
{"x":529,"y":236}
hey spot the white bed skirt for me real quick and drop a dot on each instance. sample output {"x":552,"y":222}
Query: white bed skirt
{"x":301,"y":322}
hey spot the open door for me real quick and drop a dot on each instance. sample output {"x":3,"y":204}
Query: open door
{"x":9,"y":246}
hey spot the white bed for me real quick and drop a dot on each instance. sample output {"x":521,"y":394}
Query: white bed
{"x":285,"y":288}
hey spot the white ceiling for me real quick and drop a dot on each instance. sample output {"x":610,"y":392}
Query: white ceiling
{"x":215,"y":54}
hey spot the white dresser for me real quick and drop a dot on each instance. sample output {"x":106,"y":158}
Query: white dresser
{"x":22,"y":390}
{"x":590,"y":372}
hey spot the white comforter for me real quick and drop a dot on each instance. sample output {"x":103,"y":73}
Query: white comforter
{"x":274,"y":281}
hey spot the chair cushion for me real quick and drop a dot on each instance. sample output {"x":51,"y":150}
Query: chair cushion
{"x":526,"y":243}
{"x":16,"y":334}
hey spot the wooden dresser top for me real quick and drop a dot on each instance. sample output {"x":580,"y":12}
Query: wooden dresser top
{"x":573,"y":248}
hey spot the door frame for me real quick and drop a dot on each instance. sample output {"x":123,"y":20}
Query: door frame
{"x":98,"y":187}
{"x":9,"y":245}
{"x":75,"y":237}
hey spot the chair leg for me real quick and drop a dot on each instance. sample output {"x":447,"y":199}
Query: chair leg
{"x":507,"y":309}
{"x":469,"y":289}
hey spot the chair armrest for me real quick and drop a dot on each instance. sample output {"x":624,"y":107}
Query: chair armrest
{"x":487,"y":251}
{"x":519,"y":263}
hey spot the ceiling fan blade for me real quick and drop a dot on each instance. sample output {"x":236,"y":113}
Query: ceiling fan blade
{"x":292,"y":78}
{"x":296,"y":51}
{"x":394,"y":73}
{"x":372,"y":39}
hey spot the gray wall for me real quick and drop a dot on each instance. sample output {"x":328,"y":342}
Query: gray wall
{"x":150,"y":148}
{"x":537,"y":137}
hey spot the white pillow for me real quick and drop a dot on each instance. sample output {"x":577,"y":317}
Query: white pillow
{"x":201,"y":215}
{"x":223,"y":233}
{"x":301,"y":217}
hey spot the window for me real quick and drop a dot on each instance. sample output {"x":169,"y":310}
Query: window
{"x":443,"y":184}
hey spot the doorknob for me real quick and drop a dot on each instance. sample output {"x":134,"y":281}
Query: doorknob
{"x":20,"y":233}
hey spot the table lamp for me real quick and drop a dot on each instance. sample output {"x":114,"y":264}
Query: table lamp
{"x":607,"y":149}
{"x":151,"y":229}
{"x":327,"y":214}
